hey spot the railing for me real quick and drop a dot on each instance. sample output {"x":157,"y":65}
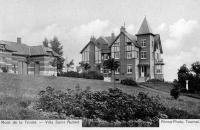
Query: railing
{"x":159,"y":61}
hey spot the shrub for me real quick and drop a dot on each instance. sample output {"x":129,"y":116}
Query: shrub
{"x":110,"y":106}
{"x":129,"y":82}
{"x":183,"y":90}
{"x":86,"y":75}
{"x":24,"y":103}
{"x":15,"y":112}
{"x":175,"y":93}
{"x":93,"y":75}
{"x":155,"y":80}
{"x":70,"y":74}
{"x":179,"y":114}
{"x":107,"y":108}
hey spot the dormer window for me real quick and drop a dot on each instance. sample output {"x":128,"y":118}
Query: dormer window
{"x":143,"y":43}
{"x":2,"y":48}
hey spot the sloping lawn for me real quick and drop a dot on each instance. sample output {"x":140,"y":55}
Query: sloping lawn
{"x":162,"y":86}
{"x":27,"y":88}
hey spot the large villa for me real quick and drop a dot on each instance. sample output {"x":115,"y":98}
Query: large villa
{"x":139,"y":55}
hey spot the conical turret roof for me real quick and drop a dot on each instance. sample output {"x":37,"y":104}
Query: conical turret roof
{"x":145,"y":28}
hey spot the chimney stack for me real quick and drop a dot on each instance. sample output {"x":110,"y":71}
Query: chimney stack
{"x":122,"y":29}
{"x":92,"y":39}
{"x":19,"y":40}
{"x":113,"y":36}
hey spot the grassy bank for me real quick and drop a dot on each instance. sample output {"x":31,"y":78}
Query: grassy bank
{"x":17,"y":88}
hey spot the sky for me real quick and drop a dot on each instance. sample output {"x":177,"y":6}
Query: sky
{"x":75,"y":21}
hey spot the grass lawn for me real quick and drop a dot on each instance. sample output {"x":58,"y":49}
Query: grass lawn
{"x":166,"y":87}
{"x":19,"y":87}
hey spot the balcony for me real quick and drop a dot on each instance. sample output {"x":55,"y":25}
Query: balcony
{"x":159,"y":62}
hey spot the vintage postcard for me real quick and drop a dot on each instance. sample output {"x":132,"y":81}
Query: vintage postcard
{"x":81,"y":64}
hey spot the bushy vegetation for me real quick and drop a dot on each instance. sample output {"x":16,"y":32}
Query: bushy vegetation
{"x":17,"y":109}
{"x":192,"y":75}
{"x":86,"y":75}
{"x":155,"y":80}
{"x":106,"y":108}
{"x":175,"y":91}
{"x":128,"y":81}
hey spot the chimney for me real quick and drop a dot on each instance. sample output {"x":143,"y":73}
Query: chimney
{"x":93,"y":39}
{"x":113,"y":36}
{"x":19,"y":40}
{"x":122,"y":29}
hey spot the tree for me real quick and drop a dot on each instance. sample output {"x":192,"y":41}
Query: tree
{"x":78,"y":69}
{"x":98,"y":66}
{"x":85,"y":66}
{"x":183,"y":73}
{"x":70,"y":65}
{"x":112,"y":65}
{"x":196,"y":68}
{"x":45,"y":42}
{"x":58,"y":48}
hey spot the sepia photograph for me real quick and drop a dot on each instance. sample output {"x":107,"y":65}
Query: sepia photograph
{"x":99,"y":63}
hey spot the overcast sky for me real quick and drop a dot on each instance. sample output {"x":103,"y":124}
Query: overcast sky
{"x":74,"y":21}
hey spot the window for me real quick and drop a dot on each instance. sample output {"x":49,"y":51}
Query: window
{"x":115,"y":50}
{"x":97,"y":55}
{"x":158,"y":57}
{"x":143,"y":54}
{"x":143,"y":42}
{"x":117,"y":71}
{"x":129,"y":50}
{"x":105,"y":57}
{"x":2,"y":48}
{"x":152,"y":44}
{"x":137,"y":54}
{"x":85,"y":55}
{"x":158,"y":69}
{"x":129,"y":69}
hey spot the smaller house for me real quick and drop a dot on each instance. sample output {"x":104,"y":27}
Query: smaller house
{"x":19,"y":58}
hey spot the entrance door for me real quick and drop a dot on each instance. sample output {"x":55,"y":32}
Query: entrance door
{"x":37,"y":68}
{"x":142,"y":71}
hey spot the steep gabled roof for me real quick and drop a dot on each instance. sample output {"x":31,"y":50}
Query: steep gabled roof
{"x":101,"y":43}
{"x":41,"y":50}
{"x":90,"y":42}
{"x":130,"y":37}
{"x":145,"y":28}
{"x":25,"y":50}
{"x":19,"y":49}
